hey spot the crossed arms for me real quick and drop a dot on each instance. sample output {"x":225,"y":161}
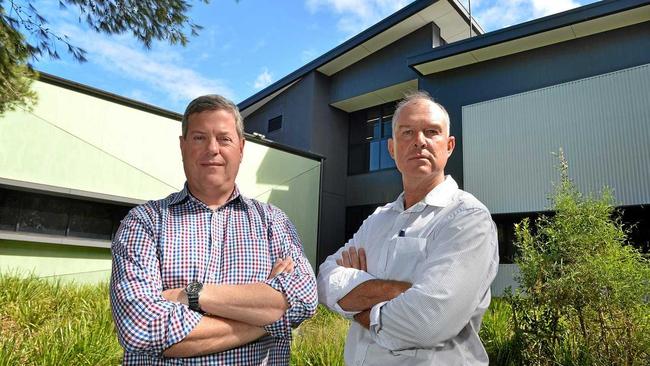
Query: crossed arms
{"x":451,"y":282}
{"x":237,"y":314}
{"x":156,"y":322}
{"x":369,"y":293}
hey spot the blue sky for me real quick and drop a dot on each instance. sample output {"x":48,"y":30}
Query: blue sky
{"x":243,"y":47}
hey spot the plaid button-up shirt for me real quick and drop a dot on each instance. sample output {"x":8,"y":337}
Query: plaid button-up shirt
{"x":177,"y":240}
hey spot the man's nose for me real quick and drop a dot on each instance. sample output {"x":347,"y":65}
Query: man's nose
{"x":213,"y":145}
{"x":420,"y":139}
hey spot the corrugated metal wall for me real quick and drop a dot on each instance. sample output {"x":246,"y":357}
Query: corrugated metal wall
{"x":602,"y":123}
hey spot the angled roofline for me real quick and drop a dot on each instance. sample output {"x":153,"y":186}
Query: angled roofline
{"x":131,"y":103}
{"x":353,"y":42}
{"x":581,"y":14}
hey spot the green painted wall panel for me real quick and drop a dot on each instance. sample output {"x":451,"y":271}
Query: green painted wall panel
{"x":72,"y":140}
{"x":69,"y":263}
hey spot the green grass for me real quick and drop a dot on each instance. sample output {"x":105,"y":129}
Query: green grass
{"x":51,"y":323}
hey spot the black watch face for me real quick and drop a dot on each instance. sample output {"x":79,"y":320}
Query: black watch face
{"x":194,"y":287}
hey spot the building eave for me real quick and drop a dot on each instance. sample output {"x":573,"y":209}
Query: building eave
{"x":571,"y":24}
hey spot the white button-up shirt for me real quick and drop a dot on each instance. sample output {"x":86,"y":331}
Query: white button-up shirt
{"x":448,"y":250}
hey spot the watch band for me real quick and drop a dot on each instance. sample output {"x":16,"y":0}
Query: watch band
{"x":193,"y":290}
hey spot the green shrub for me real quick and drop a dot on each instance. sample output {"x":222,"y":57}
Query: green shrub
{"x":584,"y":298}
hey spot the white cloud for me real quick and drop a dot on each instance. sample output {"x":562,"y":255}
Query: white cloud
{"x":546,"y":7}
{"x":163,"y":70}
{"x":498,"y":14}
{"x":357,"y":15}
{"x":264,"y":79}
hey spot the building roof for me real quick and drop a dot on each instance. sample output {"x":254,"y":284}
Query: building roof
{"x":576,"y":23}
{"x":450,"y":16}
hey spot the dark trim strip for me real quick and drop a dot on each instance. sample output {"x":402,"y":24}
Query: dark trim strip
{"x":545,"y":24}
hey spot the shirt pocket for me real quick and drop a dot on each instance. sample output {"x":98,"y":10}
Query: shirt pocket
{"x":406,"y":255}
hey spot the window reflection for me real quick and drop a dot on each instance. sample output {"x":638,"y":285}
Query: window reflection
{"x":370,"y":130}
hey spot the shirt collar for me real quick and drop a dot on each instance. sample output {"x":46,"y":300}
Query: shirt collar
{"x":185,"y":194}
{"x":439,"y":196}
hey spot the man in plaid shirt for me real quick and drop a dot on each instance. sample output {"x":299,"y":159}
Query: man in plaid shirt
{"x":207,"y":276}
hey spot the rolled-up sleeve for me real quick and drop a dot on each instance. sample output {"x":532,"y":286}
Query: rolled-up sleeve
{"x":145,"y":321}
{"x":334,"y":281}
{"x":447,"y":292}
{"x":299,"y":286}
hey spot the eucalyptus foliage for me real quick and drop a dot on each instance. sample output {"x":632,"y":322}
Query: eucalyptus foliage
{"x":26,"y":35}
{"x":584,"y":298}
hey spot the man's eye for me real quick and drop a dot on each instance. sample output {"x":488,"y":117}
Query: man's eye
{"x":407,"y":132}
{"x":225,"y":139}
{"x":198,"y":138}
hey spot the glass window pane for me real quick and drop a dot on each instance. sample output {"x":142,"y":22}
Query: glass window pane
{"x":9,"y":209}
{"x":387,"y":129}
{"x":43,"y":214}
{"x":385,"y":160}
{"x":91,"y":220}
{"x":375,"y":148}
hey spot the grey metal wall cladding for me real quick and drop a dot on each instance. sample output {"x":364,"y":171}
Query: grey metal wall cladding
{"x":602,"y":123}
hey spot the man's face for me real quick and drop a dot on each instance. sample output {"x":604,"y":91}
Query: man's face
{"x":211,"y":150}
{"x":421,"y":143}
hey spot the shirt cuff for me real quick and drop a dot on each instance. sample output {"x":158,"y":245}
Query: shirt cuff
{"x":281,"y":328}
{"x":375,"y":317}
{"x":346,"y":314}
{"x":178,"y":326}
{"x":341,"y":284}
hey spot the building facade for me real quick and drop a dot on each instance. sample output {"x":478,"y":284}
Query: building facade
{"x":71,"y":168}
{"x":577,"y":80}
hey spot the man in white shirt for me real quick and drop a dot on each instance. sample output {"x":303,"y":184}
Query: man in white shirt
{"x":416,"y":276}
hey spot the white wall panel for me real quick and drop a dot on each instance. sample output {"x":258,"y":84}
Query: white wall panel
{"x":602,"y":123}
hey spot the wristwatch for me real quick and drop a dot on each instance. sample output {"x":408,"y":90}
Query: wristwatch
{"x":193,"y":290}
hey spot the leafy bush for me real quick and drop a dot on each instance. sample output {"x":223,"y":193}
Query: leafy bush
{"x":585,"y":290}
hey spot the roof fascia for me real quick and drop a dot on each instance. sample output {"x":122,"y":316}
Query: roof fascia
{"x":548,"y":23}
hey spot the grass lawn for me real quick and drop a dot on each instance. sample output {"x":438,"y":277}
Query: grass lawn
{"x":46,"y":323}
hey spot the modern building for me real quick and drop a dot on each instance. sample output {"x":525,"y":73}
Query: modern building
{"x":71,"y":168}
{"x":577,"y":80}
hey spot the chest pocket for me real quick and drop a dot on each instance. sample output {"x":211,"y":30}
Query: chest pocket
{"x":406,"y":256}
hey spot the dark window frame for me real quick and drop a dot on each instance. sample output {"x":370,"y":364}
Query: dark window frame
{"x":369,"y":131}
{"x":274,"y":124}
{"x":33,"y":212}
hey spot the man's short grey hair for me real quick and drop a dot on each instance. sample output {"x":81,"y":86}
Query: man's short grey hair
{"x":213,"y":102}
{"x":412,"y":97}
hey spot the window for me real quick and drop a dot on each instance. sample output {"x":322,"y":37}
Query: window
{"x":370,"y":130}
{"x":42,"y":213}
{"x":275,"y":124}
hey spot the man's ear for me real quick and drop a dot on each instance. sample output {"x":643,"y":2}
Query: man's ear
{"x":451,"y":144}
{"x":241,"y":149}
{"x":391,"y":148}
